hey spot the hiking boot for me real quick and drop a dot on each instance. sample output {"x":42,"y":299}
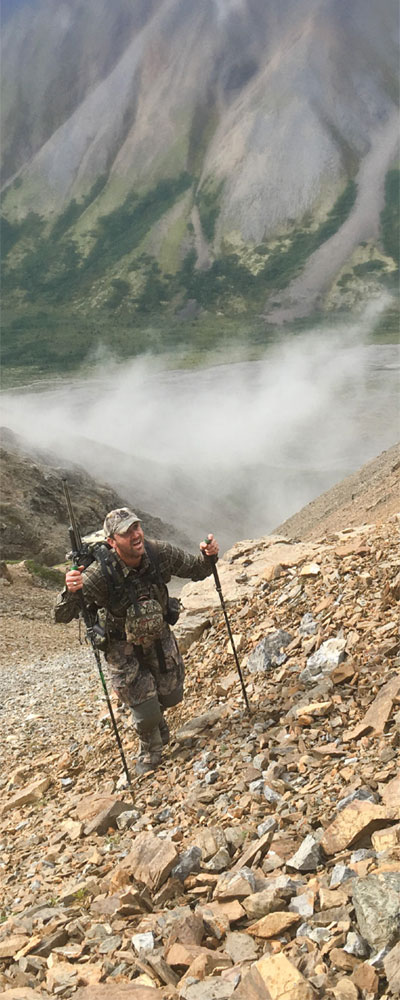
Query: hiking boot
{"x":147,"y":762}
{"x":150,"y":751}
{"x":164,"y":731}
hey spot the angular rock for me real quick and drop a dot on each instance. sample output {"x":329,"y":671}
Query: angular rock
{"x":127,"y":818}
{"x":272,"y":797}
{"x":209,"y":840}
{"x":21,"y":993}
{"x":259,"y":904}
{"x":92,"y":805}
{"x":302,"y":904}
{"x":10,"y":945}
{"x":224,"y":685}
{"x":391,"y":796}
{"x":190,"y":628}
{"x":356,"y":819}
{"x":314,"y":708}
{"x":201,"y":722}
{"x":240,"y":947}
{"x":181,"y":955}
{"x":341,"y":874}
{"x":106,"y":818}
{"x":51,"y":941}
{"x":259,"y":846}
{"x":378,"y":713}
{"x":362,"y":794}
{"x":151,"y":860}
{"x":118,"y":991}
{"x":273,"y":924}
{"x":387,"y":839}
{"x":268,"y":825}
{"x":308,"y":625}
{"x":232,"y":911}
{"x":185,"y":927}
{"x":252,"y":986}
{"x":366,"y":979}
{"x":310,"y":569}
{"x":161,"y":969}
{"x":235,"y":885}
{"x":268,"y":653}
{"x":281,"y":979}
{"x":345,"y":990}
{"x":216,"y":921}
{"x":328,"y":656}
{"x":143,"y":942}
{"x":308,"y":857}
{"x":31,"y":793}
{"x":376,"y":901}
{"x":212,"y":988}
{"x":333,"y":897}
{"x":220,"y":862}
{"x":73,"y":829}
{"x":188,"y":862}
{"x":61,"y":975}
{"x":391,"y":966}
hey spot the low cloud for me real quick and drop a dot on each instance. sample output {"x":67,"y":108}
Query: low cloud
{"x":233,"y":448}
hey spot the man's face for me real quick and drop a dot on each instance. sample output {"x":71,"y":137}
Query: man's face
{"x":130,"y":545}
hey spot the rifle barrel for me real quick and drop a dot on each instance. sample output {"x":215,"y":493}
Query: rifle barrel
{"x":74,"y":524}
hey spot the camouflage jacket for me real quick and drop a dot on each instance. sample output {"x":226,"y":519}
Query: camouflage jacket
{"x":171,"y":562}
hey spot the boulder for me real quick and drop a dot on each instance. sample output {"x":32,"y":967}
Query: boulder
{"x":376,"y":901}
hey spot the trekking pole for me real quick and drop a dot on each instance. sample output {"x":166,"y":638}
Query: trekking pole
{"x":79,"y":557}
{"x":221,"y":597}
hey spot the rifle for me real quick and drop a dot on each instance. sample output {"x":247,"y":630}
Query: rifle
{"x":227,"y":622}
{"x":81,"y":556}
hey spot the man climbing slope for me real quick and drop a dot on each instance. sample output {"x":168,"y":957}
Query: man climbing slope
{"x":128,"y":585}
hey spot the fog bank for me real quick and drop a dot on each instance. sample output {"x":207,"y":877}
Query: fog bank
{"x":232,"y":448}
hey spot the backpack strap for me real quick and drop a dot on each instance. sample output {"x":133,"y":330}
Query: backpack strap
{"x":118,"y":586}
{"x":154,"y":559}
{"x":112,"y":572}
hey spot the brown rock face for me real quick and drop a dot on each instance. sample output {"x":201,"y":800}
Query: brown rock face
{"x":151,"y":860}
{"x":273,"y":924}
{"x":353,"y":821}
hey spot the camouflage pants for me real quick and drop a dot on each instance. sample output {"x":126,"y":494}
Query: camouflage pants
{"x":136,"y":682}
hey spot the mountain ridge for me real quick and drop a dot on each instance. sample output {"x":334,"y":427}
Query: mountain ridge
{"x":173,"y":154}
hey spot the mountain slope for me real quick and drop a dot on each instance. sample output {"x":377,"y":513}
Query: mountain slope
{"x":295,"y":93}
{"x":34,"y":516}
{"x":265,"y":849}
{"x":157,"y":155}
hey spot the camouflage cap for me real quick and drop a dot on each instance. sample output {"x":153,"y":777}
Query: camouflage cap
{"x":118,"y":521}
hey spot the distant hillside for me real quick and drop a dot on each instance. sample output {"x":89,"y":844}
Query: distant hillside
{"x":171,"y":168}
{"x":372,"y":494}
{"x":33,"y":515}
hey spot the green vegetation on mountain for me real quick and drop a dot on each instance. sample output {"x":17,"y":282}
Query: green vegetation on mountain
{"x":390,"y":216}
{"x":61,"y":300}
{"x":208,"y":201}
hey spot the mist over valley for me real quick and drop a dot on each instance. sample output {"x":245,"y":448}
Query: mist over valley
{"x":229,"y":448}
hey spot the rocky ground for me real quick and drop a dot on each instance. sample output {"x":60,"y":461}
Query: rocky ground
{"x":262,"y":861}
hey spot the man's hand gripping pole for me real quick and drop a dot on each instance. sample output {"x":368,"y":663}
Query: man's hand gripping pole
{"x":80,"y":557}
{"x":221,"y":597}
